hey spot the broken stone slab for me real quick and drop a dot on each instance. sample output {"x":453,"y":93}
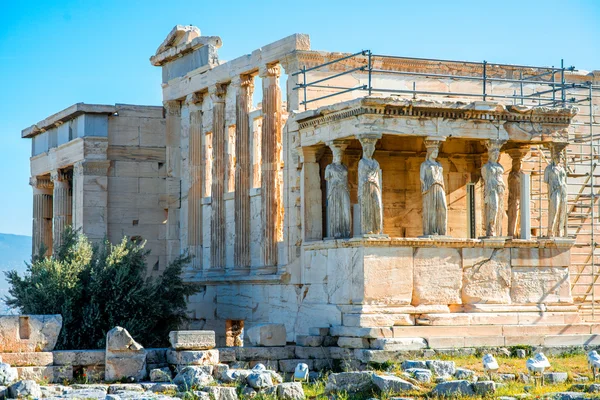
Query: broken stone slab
{"x":160,"y":375}
{"x":555,"y":377}
{"x":420,"y":374}
{"x":38,"y":359}
{"x":267,"y":335}
{"x":389,"y":383}
{"x":163,"y":387}
{"x":193,"y":357}
{"x":221,"y":392}
{"x":192,"y":376}
{"x":351,"y":382}
{"x":8,"y":374}
{"x":266,"y":353}
{"x":259,"y":380}
{"x":41,"y":331}
{"x":410,"y":364}
{"x":79,"y":357}
{"x":192,"y":340}
{"x":484,"y":388}
{"x":353,"y":343}
{"x":125,"y":358}
{"x":463,"y":373}
{"x":565,"y":395}
{"x":453,"y":388}
{"x":235,"y":375}
{"x":444,"y":369}
{"x":290,"y":391}
{"x":25,"y":389}
{"x":309,"y":340}
{"x":399,"y":344}
{"x":84,"y":394}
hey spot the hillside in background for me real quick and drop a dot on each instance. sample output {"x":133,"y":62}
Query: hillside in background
{"x":14,"y":251}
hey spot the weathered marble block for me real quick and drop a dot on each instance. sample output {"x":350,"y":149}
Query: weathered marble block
{"x":38,"y":359}
{"x":125,"y":357}
{"x":29,"y":333}
{"x":486,"y":276}
{"x":193,"y":357}
{"x":268,"y":335}
{"x":437,"y":276}
{"x":192,"y":340}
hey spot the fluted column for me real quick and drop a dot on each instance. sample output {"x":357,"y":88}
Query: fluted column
{"x":245,"y":88}
{"x":272,"y":209}
{"x":42,"y":214}
{"x":514,"y":190}
{"x":217,"y":221}
{"x":61,"y":206}
{"x":196,"y":175}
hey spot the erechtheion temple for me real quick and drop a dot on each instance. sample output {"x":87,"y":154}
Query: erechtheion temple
{"x":381,"y":196}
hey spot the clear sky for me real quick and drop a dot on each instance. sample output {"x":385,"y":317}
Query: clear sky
{"x":57,"y":53}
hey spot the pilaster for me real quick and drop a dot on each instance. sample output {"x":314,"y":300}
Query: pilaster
{"x":271,"y":141}
{"x":312,"y":197}
{"x":90,"y":198}
{"x":173,"y":179}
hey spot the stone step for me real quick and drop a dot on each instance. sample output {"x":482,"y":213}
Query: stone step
{"x":54,"y":374}
{"x":38,"y":359}
{"x":452,"y":342}
{"x":495,"y":330}
{"x":504,"y":318}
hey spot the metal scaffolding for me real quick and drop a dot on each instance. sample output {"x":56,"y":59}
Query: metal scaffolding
{"x":531,"y":86}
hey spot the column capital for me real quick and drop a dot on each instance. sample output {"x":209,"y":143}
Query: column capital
{"x":309,"y":154}
{"x":173,"y":107}
{"x":41,"y":182}
{"x":517,"y":153}
{"x":368,"y":137}
{"x":195,"y":98}
{"x":59,"y":175}
{"x":244,"y":80}
{"x":340,"y":144}
{"x":494,"y":144}
{"x":433,"y":142}
{"x":218,"y":92}
{"x":96,"y":168}
{"x":272,"y":70}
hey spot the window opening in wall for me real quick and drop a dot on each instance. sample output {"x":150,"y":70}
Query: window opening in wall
{"x":24,"y":328}
{"x":156,"y":266}
{"x":135,"y":222}
{"x":136,"y":239}
{"x":234,"y":333}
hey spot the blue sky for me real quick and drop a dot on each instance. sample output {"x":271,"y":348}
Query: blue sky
{"x":54,"y":54}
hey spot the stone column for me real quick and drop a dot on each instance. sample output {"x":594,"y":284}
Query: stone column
{"x":339,"y":219}
{"x":271,"y":140}
{"x":525,"y":210}
{"x":61,"y":206}
{"x":42,"y":214}
{"x":196,"y":174}
{"x":173,"y":179}
{"x":312,"y":197}
{"x":514,"y":190}
{"x":217,"y":221}
{"x":493,"y":196}
{"x":245,"y":88}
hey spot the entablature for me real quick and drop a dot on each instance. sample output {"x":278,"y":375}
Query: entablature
{"x":392,"y":116}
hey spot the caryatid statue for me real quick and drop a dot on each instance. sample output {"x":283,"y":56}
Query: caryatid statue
{"x":338,"y":195}
{"x":369,"y":189}
{"x":432,"y":188}
{"x":555,"y":177}
{"x":514,"y":190}
{"x":493,"y":195}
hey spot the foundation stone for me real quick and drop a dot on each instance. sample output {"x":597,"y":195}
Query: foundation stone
{"x":192,"y":340}
{"x":437,"y":276}
{"x":267,"y":335}
{"x":487,"y":276}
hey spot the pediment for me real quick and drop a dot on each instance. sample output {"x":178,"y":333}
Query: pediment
{"x":179,"y":35}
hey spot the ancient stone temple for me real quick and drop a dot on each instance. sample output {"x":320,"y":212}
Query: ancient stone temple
{"x":101,"y":169}
{"x":368,"y":193}
{"x":384,"y":197}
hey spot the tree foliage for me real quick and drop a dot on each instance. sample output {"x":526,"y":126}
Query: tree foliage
{"x":97,"y":287}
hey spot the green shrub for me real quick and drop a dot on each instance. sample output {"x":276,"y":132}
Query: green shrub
{"x":98,"y":287}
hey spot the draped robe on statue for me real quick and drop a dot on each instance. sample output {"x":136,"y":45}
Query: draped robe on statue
{"x":434,"y":198}
{"x":338,"y":201}
{"x":369,"y":191}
